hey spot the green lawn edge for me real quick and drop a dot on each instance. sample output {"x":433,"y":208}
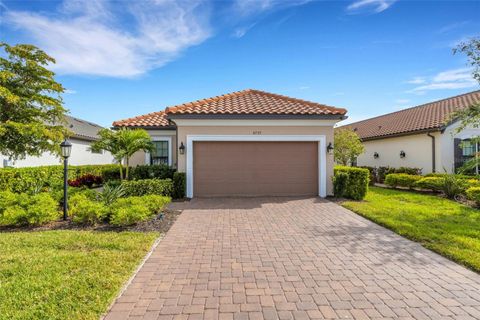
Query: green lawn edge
{"x":67,"y":274}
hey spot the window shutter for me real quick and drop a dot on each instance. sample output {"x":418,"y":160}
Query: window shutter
{"x":457,"y":153}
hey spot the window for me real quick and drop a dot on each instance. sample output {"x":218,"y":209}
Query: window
{"x":468,"y":148}
{"x":159,"y":154}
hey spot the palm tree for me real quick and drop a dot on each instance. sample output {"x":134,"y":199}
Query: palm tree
{"x":122,"y":144}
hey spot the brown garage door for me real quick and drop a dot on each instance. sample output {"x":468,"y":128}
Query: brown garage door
{"x":255,"y":169}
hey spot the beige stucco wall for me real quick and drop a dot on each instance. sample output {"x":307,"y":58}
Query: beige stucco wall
{"x":184,"y":131}
{"x":418,"y":150}
{"x":80,"y":155}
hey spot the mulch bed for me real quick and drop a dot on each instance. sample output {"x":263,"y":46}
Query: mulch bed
{"x":160,"y":223}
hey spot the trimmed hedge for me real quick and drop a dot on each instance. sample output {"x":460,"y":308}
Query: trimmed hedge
{"x":350,"y":182}
{"x":430,"y":183}
{"x":401,"y":180}
{"x":148,"y":186}
{"x":179,"y":185}
{"x":35,"y":179}
{"x":161,"y":171}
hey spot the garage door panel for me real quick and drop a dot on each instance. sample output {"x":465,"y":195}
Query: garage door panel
{"x":255,"y":168}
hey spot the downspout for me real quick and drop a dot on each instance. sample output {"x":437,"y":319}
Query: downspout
{"x":433,"y":152}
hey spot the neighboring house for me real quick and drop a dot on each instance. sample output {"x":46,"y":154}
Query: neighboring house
{"x":246,"y":143}
{"x":422,"y":137}
{"x":84,"y":133}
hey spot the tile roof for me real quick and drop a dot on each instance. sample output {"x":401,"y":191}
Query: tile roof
{"x":254,"y":102}
{"x":246,"y":102}
{"x":154,"y":119}
{"x":430,"y":116}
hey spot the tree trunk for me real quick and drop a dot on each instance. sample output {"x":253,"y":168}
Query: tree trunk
{"x":121,"y":170}
{"x":127,"y":162}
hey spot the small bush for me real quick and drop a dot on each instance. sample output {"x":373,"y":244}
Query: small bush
{"x":23,"y":209}
{"x":429,"y":183}
{"x":354,"y":185}
{"x":453,"y":187}
{"x":131,"y":210}
{"x":85,"y":211}
{"x":401,"y":180}
{"x":156,"y":171}
{"x":473,"y":194}
{"x":179,"y":185}
{"x":87,"y":180}
{"x":111,"y":193}
{"x":382,"y":172}
{"x":409,"y":170}
{"x":148,"y":186}
{"x":373,"y":174}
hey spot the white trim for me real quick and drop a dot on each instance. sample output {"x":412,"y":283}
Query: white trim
{"x":322,"y":156}
{"x":255,"y":122}
{"x":161,"y":138}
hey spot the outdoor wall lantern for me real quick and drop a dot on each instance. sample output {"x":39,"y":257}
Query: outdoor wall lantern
{"x":181,"y":149}
{"x":376,"y":155}
{"x":402,"y":154}
{"x":329,"y":147}
{"x":66,"y":150}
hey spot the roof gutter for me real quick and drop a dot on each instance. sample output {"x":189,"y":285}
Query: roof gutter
{"x":433,"y":152}
{"x":257,"y":116}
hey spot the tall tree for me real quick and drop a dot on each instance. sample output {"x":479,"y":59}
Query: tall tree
{"x":122,"y":144}
{"x":32,"y":115}
{"x":348,"y":146}
{"x":469,"y":116}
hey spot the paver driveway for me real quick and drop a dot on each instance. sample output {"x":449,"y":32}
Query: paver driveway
{"x":281,"y":258}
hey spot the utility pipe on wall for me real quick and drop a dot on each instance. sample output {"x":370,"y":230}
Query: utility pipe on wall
{"x":433,"y":152}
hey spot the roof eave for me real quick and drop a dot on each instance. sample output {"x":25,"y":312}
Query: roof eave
{"x":401,"y":134}
{"x":147,"y":127}
{"x":257,"y":116}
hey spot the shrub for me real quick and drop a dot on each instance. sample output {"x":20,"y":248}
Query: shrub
{"x":87,"y":180}
{"x":382,"y":172}
{"x":409,"y":170}
{"x":131,"y":210}
{"x":23,"y":209}
{"x":429,"y":183}
{"x":179,"y":185}
{"x":452,"y":186}
{"x":111,"y":193}
{"x":354,"y":185}
{"x":473,"y":194}
{"x":34,"y":179}
{"x":148,"y":186}
{"x":401,"y":180}
{"x":156,"y":171}
{"x":373,"y":174}
{"x":85,"y":211}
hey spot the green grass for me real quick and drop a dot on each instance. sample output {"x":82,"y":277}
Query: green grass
{"x":66,"y":274}
{"x":442,"y":225}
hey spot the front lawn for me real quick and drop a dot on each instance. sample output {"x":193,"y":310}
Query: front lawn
{"x":66,"y":274}
{"x":442,"y":225}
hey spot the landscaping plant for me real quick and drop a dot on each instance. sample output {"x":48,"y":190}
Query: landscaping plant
{"x":21,"y":209}
{"x":179,"y":185}
{"x":148,"y":186}
{"x":348,"y":146}
{"x":86,"y":211}
{"x":131,"y":210}
{"x":350,"y":182}
{"x":473,"y":194}
{"x":122,"y":144}
{"x":401,"y":180}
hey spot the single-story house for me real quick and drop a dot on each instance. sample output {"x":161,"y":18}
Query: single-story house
{"x":422,"y":137}
{"x":84,"y":133}
{"x":245,"y":143}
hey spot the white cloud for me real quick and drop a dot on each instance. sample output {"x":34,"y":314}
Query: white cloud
{"x":450,"y":79}
{"x":376,"y":5}
{"x":90,"y":37}
{"x":248,"y":7}
{"x":241,"y":31}
{"x":417,"y":80}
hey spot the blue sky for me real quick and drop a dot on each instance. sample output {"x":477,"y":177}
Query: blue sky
{"x":125,"y":58}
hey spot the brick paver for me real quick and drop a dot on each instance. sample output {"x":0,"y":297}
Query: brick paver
{"x":282,"y":258}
